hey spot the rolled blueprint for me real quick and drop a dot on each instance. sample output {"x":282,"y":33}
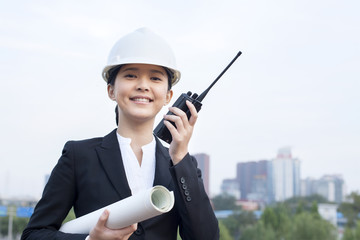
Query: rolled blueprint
{"x":139,"y":207}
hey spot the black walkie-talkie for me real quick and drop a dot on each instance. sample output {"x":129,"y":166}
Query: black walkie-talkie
{"x":161,"y":130}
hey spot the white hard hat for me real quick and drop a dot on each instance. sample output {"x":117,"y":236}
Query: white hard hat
{"x":144,"y":47}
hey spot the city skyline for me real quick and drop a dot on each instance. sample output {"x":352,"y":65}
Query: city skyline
{"x":204,"y":162}
{"x":295,"y":84}
{"x":279,"y":179}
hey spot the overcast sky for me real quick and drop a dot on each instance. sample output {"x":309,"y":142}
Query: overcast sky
{"x":297,"y":83}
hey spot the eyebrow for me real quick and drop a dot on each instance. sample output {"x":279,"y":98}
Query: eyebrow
{"x":137,"y":69}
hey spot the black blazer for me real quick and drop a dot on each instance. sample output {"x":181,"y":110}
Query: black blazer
{"x":90,"y":175}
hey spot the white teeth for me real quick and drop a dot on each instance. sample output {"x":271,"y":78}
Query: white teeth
{"x":141,"y":100}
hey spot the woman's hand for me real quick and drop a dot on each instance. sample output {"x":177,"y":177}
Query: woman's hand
{"x":101,"y":232}
{"x":182,"y":133}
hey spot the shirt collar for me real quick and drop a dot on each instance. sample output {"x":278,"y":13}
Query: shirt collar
{"x":127,"y":141}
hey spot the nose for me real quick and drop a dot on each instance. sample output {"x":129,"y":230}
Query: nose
{"x":142,"y":84}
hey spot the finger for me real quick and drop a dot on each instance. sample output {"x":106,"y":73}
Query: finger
{"x":193,"y":111}
{"x":127,"y":231}
{"x":103,"y":218}
{"x":100,"y":225}
{"x":179,"y":123}
{"x":181,"y":114}
{"x":173,"y":131}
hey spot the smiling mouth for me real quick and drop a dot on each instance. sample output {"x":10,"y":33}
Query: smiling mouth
{"x":142,"y":100}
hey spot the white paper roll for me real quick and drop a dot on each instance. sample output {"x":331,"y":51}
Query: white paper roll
{"x":139,"y":207}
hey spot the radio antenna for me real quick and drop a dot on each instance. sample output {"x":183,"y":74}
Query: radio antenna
{"x":202,"y":96}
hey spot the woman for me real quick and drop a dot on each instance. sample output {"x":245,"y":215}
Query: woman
{"x":94,"y":173}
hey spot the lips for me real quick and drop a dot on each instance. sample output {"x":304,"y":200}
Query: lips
{"x":141,"y":99}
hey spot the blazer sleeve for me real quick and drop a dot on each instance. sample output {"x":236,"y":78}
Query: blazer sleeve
{"x":198,"y":221}
{"x":57,"y":199}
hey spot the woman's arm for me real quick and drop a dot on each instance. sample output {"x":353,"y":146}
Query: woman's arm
{"x":198,"y":220}
{"x":55,"y":203}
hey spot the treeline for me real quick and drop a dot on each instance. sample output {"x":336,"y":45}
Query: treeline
{"x":19,"y":224}
{"x":294,"y":219}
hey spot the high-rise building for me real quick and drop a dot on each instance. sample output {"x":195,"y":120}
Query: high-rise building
{"x":286,"y":175}
{"x":307,"y":187}
{"x":254,"y":180}
{"x":204,"y":165}
{"x":270,"y":182}
{"x":245,"y":172}
{"x":267,"y":181}
{"x":230,"y":187}
{"x":336,"y":187}
{"x":331,"y":187}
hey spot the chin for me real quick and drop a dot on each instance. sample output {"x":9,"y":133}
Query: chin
{"x":143,"y":117}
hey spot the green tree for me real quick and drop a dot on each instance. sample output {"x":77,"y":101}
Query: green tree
{"x":70,"y":216}
{"x":307,"y":200}
{"x":224,"y":232}
{"x":348,"y":234}
{"x":282,"y":224}
{"x":237,"y":222}
{"x":300,"y":207}
{"x":269,"y":218}
{"x":299,"y":204}
{"x":4,"y":221}
{"x":224,"y":202}
{"x":306,"y":226}
{"x":258,"y":232}
{"x":18,"y":227}
{"x":314,"y":210}
{"x":352,"y":233}
{"x":351,"y":209}
{"x":357,"y":231}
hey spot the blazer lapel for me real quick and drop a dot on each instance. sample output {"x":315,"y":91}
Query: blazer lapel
{"x":110,"y":158}
{"x":163,"y":163}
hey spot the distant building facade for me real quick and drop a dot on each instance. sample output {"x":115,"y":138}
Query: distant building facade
{"x":307,"y":187}
{"x":204,"y":165}
{"x":266,"y":181}
{"x":230,"y":187}
{"x":328,"y":212}
{"x":255,"y":180}
{"x":331,"y":187}
{"x":286,"y":175}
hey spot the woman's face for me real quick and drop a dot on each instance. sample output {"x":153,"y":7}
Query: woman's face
{"x":140,"y":90}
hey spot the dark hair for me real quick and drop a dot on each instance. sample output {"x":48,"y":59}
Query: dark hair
{"x":113,"y":72}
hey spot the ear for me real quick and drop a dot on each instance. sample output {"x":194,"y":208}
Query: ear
{"x":169,"y":95}
{"x":111,"y":93}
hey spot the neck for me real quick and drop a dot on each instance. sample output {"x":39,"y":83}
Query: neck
{"x":141,"y":133}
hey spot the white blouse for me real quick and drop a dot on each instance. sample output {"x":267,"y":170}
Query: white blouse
{"x":139,"y":177}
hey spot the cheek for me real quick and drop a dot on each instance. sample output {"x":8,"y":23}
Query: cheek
{"x":120,"y":90}
{"x":163,"y":94}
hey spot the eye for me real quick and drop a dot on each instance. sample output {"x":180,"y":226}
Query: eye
{"x":130,"y":76}
{"x":156,"y":79}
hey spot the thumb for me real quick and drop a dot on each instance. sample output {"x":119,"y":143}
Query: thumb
{"x":103,"y":218}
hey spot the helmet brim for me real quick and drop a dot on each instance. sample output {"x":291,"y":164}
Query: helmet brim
{"x":175,"y":79}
